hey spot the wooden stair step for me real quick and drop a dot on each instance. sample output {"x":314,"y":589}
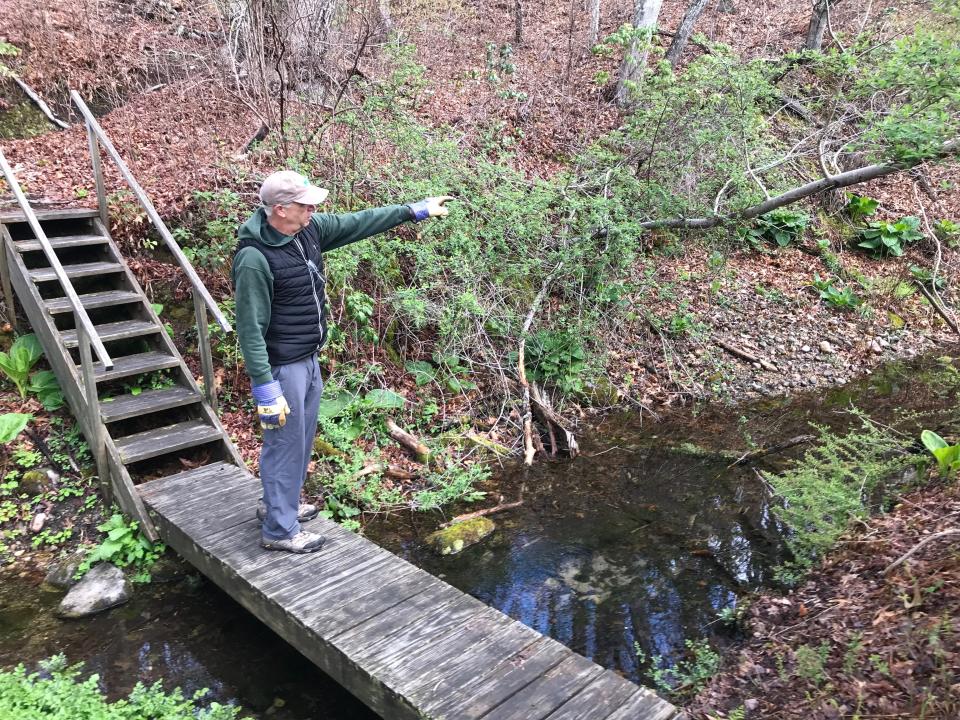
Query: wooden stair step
{"x":220,"y":474}
{"x":75,"y":271}
{"x":16,"y":216}
{"x":120,"y":330}
{"x":66,"y":241}
{"x":134,"y":365}
{"x":94,"y":300}
{"x":124,"y":407}
{"x":163,"y":440}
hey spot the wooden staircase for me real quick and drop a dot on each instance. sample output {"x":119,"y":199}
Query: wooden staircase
{"x":152,"y":416}
{"x":143,"y":414}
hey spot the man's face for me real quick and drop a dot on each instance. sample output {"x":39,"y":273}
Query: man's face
{"x":299,"y":214}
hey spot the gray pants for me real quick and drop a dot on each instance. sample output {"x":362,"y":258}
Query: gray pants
{"x":286,"y":450}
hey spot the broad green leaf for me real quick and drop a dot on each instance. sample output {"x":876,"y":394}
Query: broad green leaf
{"x":30,"y":346}
{"x":380,"y":399}
{"x":334,"y":407}
{"x":422,"y":371}
{"x":12,"y":424}
{"x":931,"y":441}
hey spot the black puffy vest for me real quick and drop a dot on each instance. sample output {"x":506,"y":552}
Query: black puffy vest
{"x":298,"y":315}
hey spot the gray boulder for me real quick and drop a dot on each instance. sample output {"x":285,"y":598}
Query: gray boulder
{"x":100,"y":589}
{"x":61,"y":572}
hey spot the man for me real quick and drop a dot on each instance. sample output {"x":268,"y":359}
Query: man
{"x":281,"y":324}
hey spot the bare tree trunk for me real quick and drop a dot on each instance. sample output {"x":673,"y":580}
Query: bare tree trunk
{"x":517,"y":22}
{"x":684,"y":31}
{"x":818,"y":25}
{"x":594,"y":22}
{"x":645,"y":14}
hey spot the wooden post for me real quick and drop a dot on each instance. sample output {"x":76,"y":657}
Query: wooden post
{"x":6,"y":243}
{"x":98,"y":177}
{"x":206,"y":356}
{"x":91,"y":414}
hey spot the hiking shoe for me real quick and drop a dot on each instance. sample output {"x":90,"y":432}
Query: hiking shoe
{"x":305,"y":511}
{"x":303,"y":542}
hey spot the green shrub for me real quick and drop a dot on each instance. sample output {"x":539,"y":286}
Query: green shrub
{"x":124,"y":546}
{"x":16,"y":365}
{"x":884,"y":238}
{"x":843,"y":299}
{"x":782,"y":227}
{"x":861,"y":206}
{"x":559,"y":358}
{"x":833,"y":483}
{"x":947,"y":231}
{"x":947,"y":455}
{"x":57,"y":692}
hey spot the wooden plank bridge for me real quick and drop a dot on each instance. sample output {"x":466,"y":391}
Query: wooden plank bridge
{"x":404,"y":642}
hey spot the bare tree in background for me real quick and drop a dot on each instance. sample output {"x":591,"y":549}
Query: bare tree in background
{"x":276,"y":46}
{"x":594,"y":7}
{"x":517,"y":22}
{"x":819,"y":23}
{"x":645,"y":14}
{"x":685,"y":30}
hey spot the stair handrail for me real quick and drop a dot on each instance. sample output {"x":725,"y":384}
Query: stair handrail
{"x":83,"y":322}
{"x":96,"y":134}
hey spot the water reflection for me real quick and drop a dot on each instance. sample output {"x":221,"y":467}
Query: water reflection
{"x":641,"y":545}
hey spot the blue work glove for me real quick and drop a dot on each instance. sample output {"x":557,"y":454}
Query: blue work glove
{"x":271,"y":405}
{"x":431,"y":207}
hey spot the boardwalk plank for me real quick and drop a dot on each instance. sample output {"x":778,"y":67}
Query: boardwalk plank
{"x":645,"y":705}
{"x":548,"y":692}
{"x":607,"y":693}
{"x":482,"y":688}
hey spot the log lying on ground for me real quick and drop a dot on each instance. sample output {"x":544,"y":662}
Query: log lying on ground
{"x":845,"y":179}
{"x":392,"y":471}
{"x":416,"y":448}
{"x":744,"y":355}
{"x":38,"y":101}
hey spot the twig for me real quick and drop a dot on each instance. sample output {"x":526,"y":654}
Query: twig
{"x":930,"y":538}
{"x":744,"y":355}
{"x":770,"y":450}
{"x":483,"y":513}
{"x":38,"y":101}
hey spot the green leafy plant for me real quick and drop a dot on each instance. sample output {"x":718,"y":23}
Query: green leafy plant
{"x":7,"y":50}
{"x":925,"y":276}
{"x":885,"y":238}
{"x":947,"y":455}
{"x":844,"y":299}
{"x":861,"y":206}
{"x":57,"y":691}
{"x":45,"y":386}
{"x":23,"y":355}
{"x":359,"y":307}
{"x":558,"y":357}
{"x":124,"y":546}
{"x":11,"y":425}
{"x":947,"y":231}
{"x":782,"y":227}
{"x":689,"y":675}
{"x":158,"y":308}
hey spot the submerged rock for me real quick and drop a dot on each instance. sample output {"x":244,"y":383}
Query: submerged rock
{"x":451,"y":540}
{"x":100,"y":589}
{"x":60,"y":573}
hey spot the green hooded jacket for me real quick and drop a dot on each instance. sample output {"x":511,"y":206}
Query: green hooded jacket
{"x":253,"y":281}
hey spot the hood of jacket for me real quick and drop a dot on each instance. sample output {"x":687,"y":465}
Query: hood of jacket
{"x":259,"y":228}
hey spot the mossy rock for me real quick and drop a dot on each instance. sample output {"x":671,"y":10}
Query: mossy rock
{"x":35,"y":482}
{"x":451,"y":540}
{"x":325,"y":448}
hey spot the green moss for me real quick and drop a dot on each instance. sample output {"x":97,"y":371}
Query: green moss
{"x":451,"y":540}
{"x":23,"y":120}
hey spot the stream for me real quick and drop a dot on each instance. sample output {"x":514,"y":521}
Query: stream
{"x":638,"y":543}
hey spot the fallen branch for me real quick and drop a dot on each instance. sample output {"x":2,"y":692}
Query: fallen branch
{"x":483,"y":513}
{"x":926,"y":541}
{"x":393,"y":471}
{"x":749,"y":457}
{"x":494,"y":447}
{"x":941,"y":311}
{"x":551,"y":419}
{"x":744,"y":355}
{"x":845,"y":179}
{"x":38,"y":101}
{"x":529,"y":450}
{"x":416,"y":448}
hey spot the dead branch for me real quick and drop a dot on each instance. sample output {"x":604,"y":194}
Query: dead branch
{"x":744,"y":355}
{"x":845,"y":179}
{"x":749,"y":457}
{"x":416,"y":448}
{"x":521,"y":369}
{"x":38,"y":101}
{"x":552,"y":419}
{"x":483,"y":513}
{"x":916,"y":548}
{"x":941,"y":311}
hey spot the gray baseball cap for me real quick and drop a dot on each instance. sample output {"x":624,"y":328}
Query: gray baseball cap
{"x":287,"y":186}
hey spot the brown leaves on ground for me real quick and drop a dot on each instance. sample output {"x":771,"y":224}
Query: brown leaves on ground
{"x":853,"y":642}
